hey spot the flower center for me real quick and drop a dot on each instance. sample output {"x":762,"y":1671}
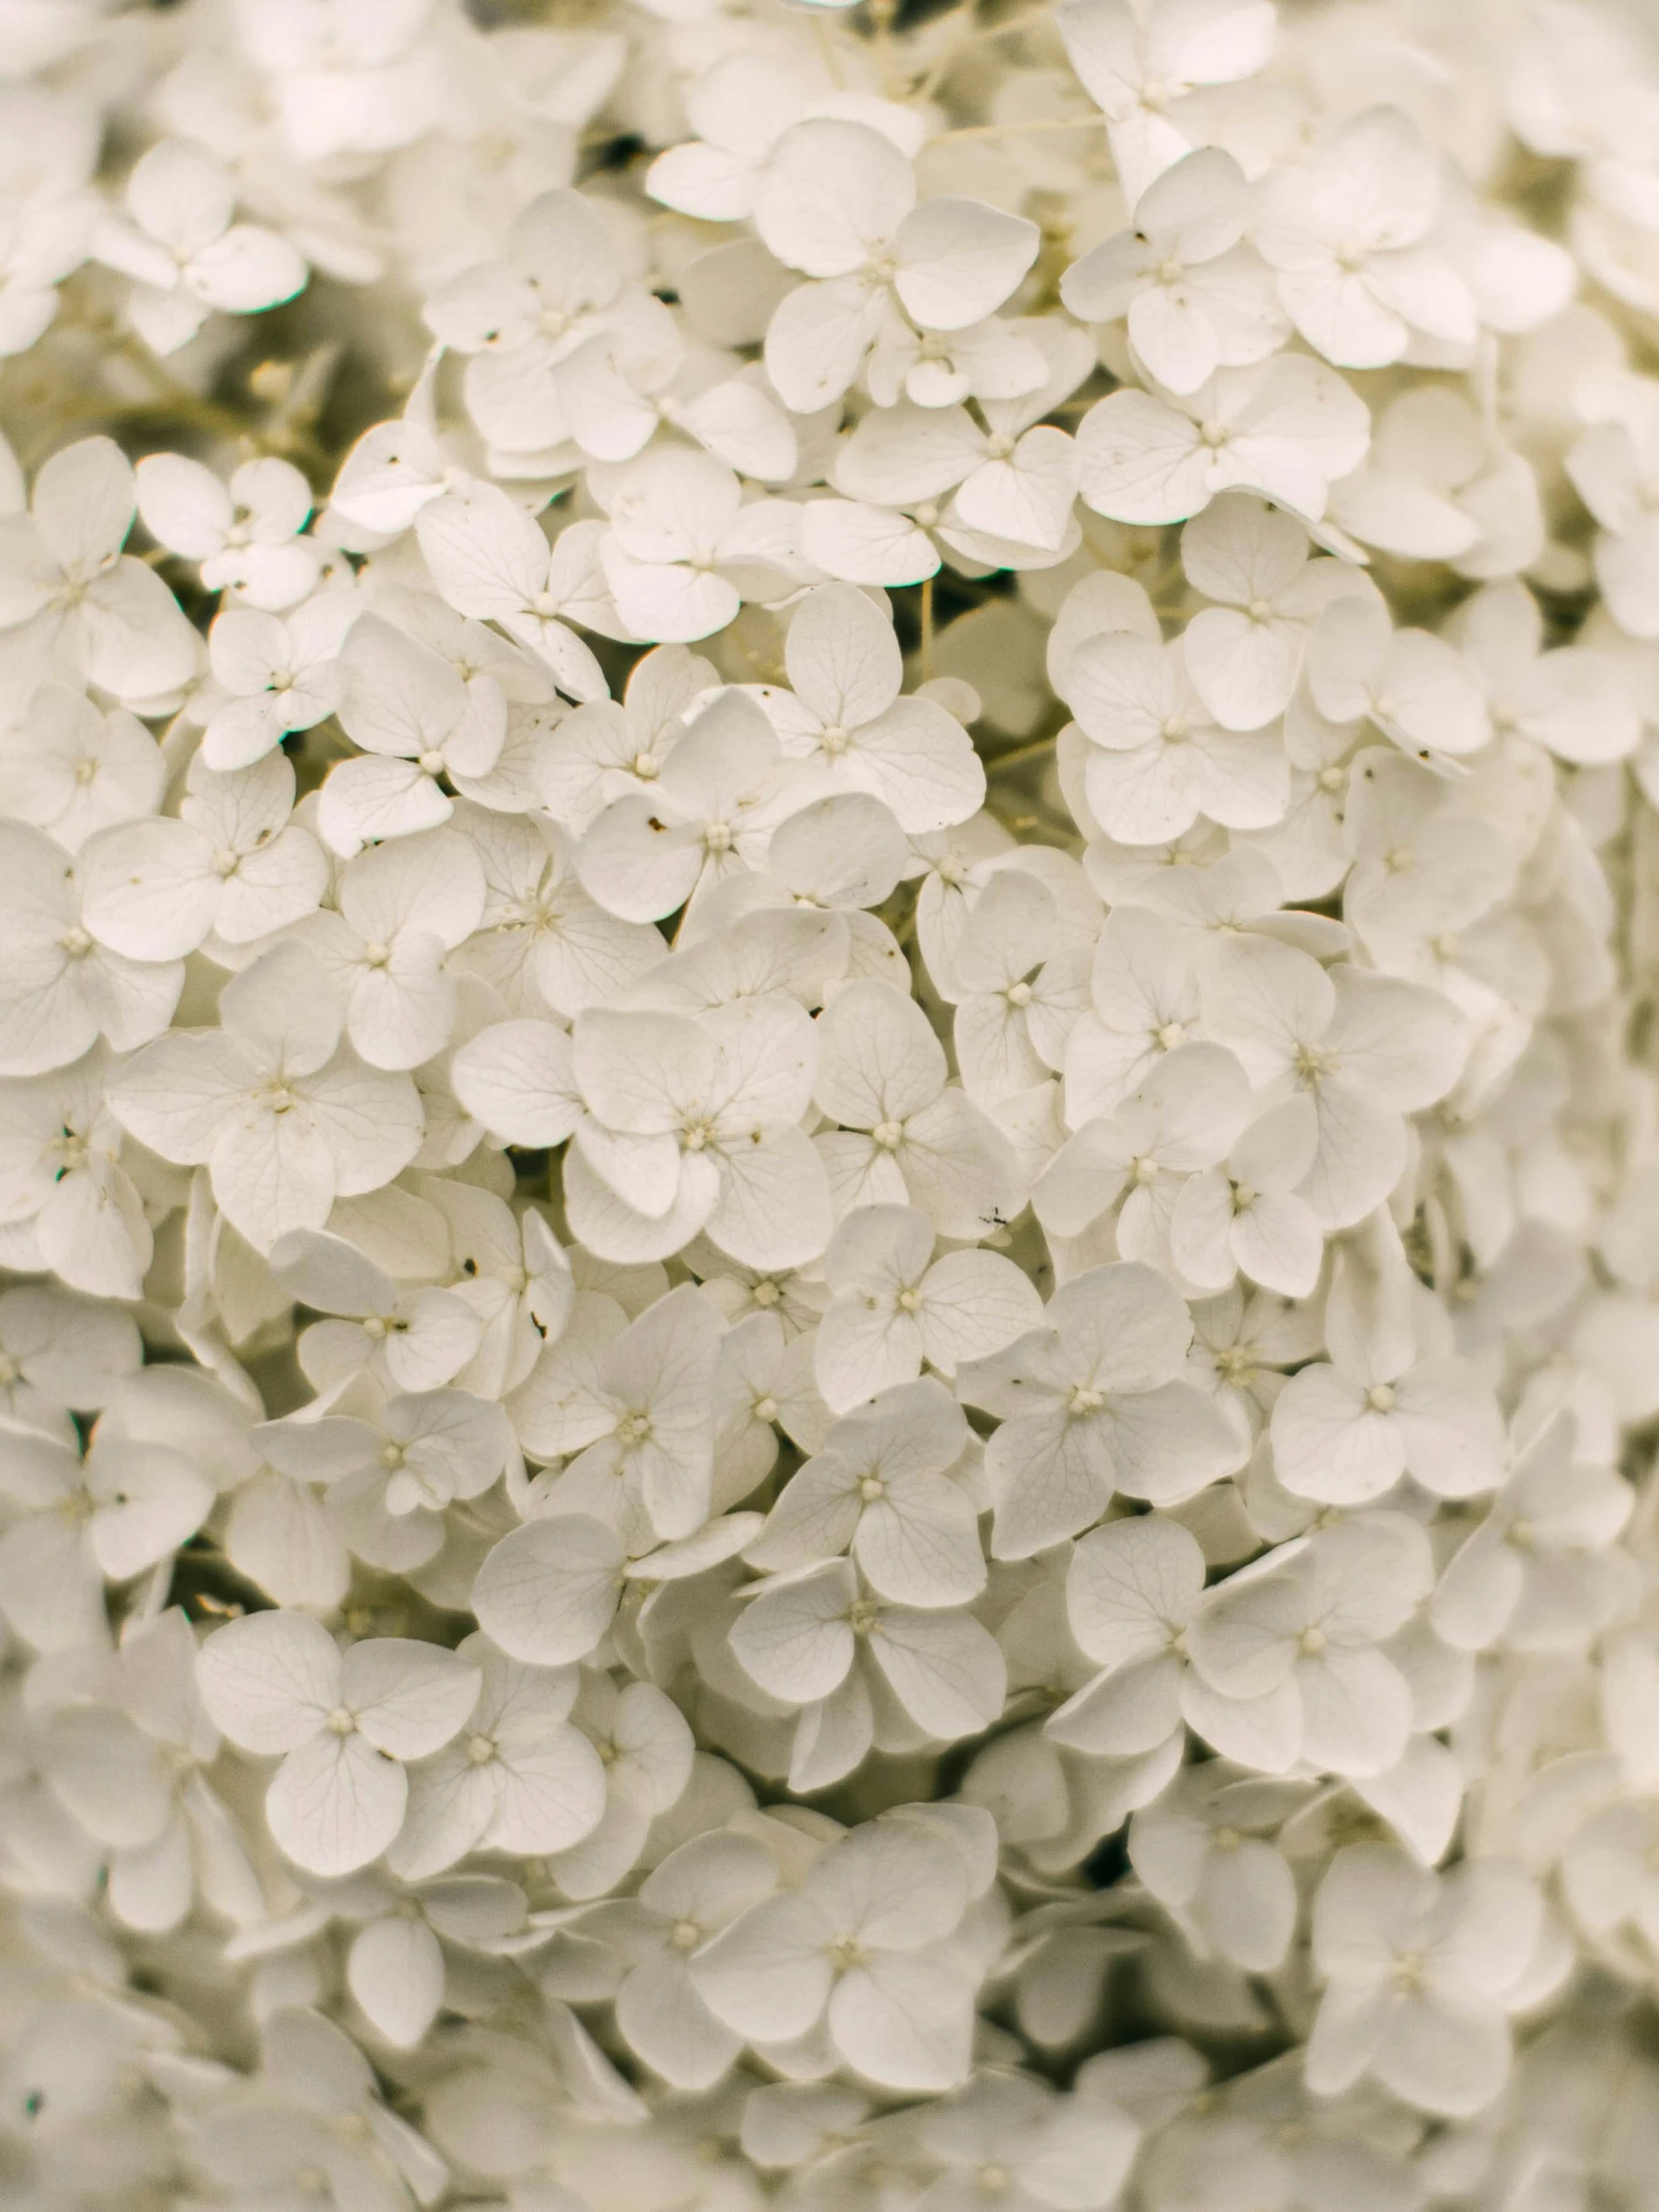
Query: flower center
{"x":890,"y":1135}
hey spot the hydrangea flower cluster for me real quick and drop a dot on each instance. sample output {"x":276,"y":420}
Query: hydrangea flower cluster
{"x":829,"y":1109}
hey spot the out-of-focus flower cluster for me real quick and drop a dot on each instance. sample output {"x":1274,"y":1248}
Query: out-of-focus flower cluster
{"x":828,"y":1108}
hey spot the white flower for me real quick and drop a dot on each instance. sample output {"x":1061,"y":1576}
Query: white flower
{"x":817,"y":1638}
{"x":415,"y":1342}
{"x":390,"y":1479}
{"x":738,"y":110}
{"x":397,"y":1967}
{"x":396,"y":468}
{"x":233,"y":864}
{"x":1345,"y":1432}
{"x":864,"y":1945}
{"x":847,"y":718}
{"x":62,"y":989}
{"x":73,"y":770}
{"x":490,"y":560}
{"x":682,"y":1905}
{"x":684,"y":550}
{"x":1607,"y":1873}
{"x":192,"y":1846}
{"x":45,"y":235}
{"x":1440,"y":483}
{"x":1157,"y":761}
{"x":695,"y":1125}
{"x":1132,"y":1589}
{"x":1366,"y":1048}
{"x":1287,"y":429}
{"x":60,"y":1173}
{"x":1290,"y":1645}
{"x":648,"y":1756}
{"x":58,"y":1350}
{"x":415,"y":721}
{"x":1137,"y":66}
{"x":1090,"y":1404}
{"x":72,"y":1524}
{"x":279,"y":1685}
{"x":1611,"y":468}
{"x":69,"y":596}
{"x":280,"y":676}
{"x":1419,"y":690}
{"x":1184,"y":1118}
{"x":187,"y":253}
{"x":1199,"y":1851}
{"x":906,"y":1136}
{"x":839,"y":203}
{"x":1145,"y":1003}
{"x":1348,"y":232}
{"x":543,"y":942}
{"x":1571,"y":700}
{"x":1539,"y":1570}
{"x":1005,"y":2135}
{"x":1417,"y":1967}
{"x":509,"y":1269}
{"x":1008,"y":482}
{"x":1020,"y":983}
{"x":1244,"y":656}
{"x":992,"y":359}
{"x":310,"y":2116}
{"x":403,"y":907}
{"x":710,"y":811}
{"x":283,"y":1118}
{"x":891,"y":1309}
{"x":520,"y":1777}
{"x":631,"y":1406}
{"x":609,"y":750}
{"x":246,"y":537}
{"x":1246,"y":1213}
{"x":1196,"y":297}
{"x":1424,"y":865}
{"x":566,"y":279}
{"x":880,"y":1488}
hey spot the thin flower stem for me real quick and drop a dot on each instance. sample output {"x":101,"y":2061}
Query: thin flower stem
{"x":927,"y":629}
{"x":1033,"y":751}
